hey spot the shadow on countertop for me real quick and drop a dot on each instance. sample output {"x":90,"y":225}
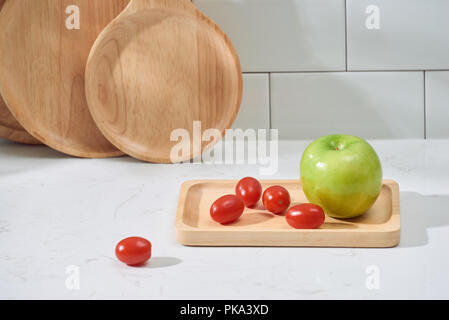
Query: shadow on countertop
{"x":162,"y":262}
{"x":420,"y":213}
{"x":17,"y":150}
{"x":156,"y":263}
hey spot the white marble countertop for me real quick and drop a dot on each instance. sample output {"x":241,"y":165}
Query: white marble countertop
{"x":57,"y":212}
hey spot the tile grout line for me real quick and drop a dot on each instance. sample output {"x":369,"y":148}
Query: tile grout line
{"x":425,"y":106}
{"x":346,"y":35}
{"x":269,"y":104}
{"x":343,"y":71}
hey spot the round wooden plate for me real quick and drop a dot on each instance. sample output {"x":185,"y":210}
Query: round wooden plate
{"x":158,"y":67}
{"x":43,"y":56}
{"x":9,"y":127}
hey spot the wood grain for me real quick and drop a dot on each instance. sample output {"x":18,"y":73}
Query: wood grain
{"x":158,"y":67}
{"x":42,"y":71}
{"x":378,"y":227}
{"x":9,"y":126}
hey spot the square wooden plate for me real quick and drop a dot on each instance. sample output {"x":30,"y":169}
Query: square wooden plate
{"x":378,"y":227}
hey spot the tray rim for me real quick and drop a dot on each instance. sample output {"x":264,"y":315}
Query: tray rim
{"x":183,"y":231}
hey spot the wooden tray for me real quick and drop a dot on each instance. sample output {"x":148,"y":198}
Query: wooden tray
{"x":379,"y":227}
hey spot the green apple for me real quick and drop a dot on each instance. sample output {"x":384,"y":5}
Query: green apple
{"x":342,"y":174}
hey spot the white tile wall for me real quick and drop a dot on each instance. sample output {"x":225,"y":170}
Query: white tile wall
{"x":255,"y":107}
{"x":437,"y":104}
{"x":371,"y":105}
{"x":301,"y":43}
{"x":412,"y":35}
{"x":283,"y":35}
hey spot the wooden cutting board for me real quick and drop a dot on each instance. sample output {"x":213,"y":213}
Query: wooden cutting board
{"x":379,"y":227}
{"x":43,"y":56}
{"x":158,"y":67}
{"x":9,"y":127}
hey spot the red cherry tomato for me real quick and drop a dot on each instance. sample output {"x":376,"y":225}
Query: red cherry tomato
{"x":276,"y":199}
{"x":305,"y":216}
{"x":227,"y":209}
{"x":133,"y":251}
{"x":249,"y":190}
